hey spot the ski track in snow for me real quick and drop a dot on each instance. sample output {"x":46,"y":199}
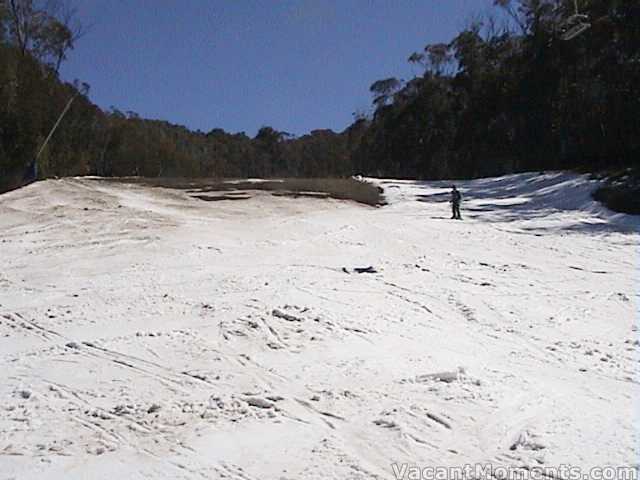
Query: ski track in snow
{"x":147,"y":334}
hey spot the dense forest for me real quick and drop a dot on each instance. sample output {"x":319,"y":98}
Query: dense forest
{"x":506,"y":94}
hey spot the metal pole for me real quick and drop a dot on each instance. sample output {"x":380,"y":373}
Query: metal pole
{"x":66,"y":109}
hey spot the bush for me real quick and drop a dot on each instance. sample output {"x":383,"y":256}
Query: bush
{"x":620,"y":198}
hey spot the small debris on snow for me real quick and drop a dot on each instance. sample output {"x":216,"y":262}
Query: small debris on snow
{"x":365,"y":270}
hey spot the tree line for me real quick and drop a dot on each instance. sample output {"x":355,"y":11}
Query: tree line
{"x":510,"y":95}
{"x":505,"y":95}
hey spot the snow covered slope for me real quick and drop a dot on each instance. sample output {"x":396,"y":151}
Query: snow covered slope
{"x":147,"y":334}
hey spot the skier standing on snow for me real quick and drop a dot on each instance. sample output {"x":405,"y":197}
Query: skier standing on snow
{"x":456,"y":198}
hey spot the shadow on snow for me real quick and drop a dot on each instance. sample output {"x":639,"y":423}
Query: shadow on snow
{"x":550,"y":201}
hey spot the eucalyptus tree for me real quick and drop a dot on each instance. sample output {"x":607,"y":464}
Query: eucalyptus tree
{"x":383,"y":90}
{"x":47,"y":29}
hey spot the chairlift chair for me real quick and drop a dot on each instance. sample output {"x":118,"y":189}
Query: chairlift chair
{"x":574,"y":25}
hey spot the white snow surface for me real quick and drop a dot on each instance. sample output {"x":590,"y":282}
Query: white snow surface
{"x":148,"y":334}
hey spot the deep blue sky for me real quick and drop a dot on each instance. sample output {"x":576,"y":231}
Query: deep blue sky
{"x":295,"y":65}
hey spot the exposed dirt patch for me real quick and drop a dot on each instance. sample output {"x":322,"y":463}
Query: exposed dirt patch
{"x":338,"y":188}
